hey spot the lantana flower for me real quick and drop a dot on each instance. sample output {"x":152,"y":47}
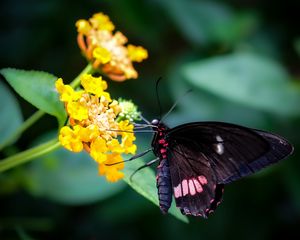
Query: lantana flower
{"x":95,"y":125}
{"x":108,"y":50}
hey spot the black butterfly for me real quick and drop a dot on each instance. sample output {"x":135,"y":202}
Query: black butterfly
{"x":197,"y":159}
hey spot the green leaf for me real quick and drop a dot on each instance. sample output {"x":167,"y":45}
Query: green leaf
{"x":201,"y":105}
{"x":247,"y":79}
{"x":11,"y":117}
{"x":38,"y":88}
{"x":69,"y":178}
{"x":144,"y":183}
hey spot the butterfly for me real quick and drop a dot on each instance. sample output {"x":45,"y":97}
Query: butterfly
{"x":196,"y":161}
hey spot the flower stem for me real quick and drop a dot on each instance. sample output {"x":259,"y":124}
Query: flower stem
{"x":28,"y":155}
{"x":76,"y":82}
{"x":31,"y":120}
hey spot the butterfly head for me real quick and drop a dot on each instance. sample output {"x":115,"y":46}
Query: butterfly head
{"x":158,"y":125}
{"x":155,"y":122}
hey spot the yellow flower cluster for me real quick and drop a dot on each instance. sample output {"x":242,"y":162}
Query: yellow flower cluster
{"x":107,"y":50}
{"x":94,"y":126}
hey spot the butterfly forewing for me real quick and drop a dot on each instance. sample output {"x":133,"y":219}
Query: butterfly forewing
{"x":231,"y":151}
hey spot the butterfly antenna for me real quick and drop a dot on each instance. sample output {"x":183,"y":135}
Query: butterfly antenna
{"x":175,"y":104}
{"x":144,"y":119}
{"x":157,"y":96}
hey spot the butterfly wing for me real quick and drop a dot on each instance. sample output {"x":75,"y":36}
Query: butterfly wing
{"x":218,"y":153}
{"x":278,"y":149}
{"x":193,"y":181}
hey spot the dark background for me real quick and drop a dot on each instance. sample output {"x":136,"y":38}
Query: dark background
{"x":41,"y":35}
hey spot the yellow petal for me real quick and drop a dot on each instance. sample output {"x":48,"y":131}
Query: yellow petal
{"x":115,"y":146}
{"x":70,"y":140}
{"x":137,"y":53}
{"x":99,"y":144}
{"x":101,"y":21}
{"x":98,"y":149}
{"x":120,"y":38}
{"x":114,"y":176}
{"x":83,"y":26}
{"x":66,"y":92}
{"x":77,"y":111}
{"x":98,"y":156}
{"x":131,"y":149}
{"x":88,"y":134}
{"x":94,"y":85}
{"x":112,"y":172}
{"x":115,"y":106}
{"x":102,"y":54}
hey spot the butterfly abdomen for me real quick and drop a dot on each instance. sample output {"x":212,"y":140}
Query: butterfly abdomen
{"x":163,"y":176}
{"x":163,"y":181}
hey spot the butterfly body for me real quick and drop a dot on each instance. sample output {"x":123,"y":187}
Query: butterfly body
{"x":163,"y":177}
{"x":197,"y":159}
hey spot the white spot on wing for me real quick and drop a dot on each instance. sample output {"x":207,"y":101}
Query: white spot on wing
{"x":219,"y":139}
{"x":202,"y":180}
{"x":177,"y":191}
{"x":198,"y":186}
{"x":185,"y":188}
{"x":192,"y":187}
{"x":219,"y":148}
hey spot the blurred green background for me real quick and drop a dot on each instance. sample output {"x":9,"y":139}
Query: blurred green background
{"x":240,"y":58}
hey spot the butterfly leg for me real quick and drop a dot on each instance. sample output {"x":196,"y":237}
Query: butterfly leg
{"x":144,"y":166}
{"x":132,"y":158}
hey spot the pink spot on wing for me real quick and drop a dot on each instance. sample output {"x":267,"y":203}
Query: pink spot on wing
{"x":192,"y":187}
{"x":161,"y":141}
{"x":185,"y":188}
{"x":198,"y":186}
{"x":212,"y":200}
{"x":202,"y":180}
{"x":177,"y":191}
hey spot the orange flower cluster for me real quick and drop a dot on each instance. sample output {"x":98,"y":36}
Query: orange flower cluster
{"x":106,"y":50}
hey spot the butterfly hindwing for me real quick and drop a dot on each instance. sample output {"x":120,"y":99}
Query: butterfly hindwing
{"x":230,"y":150}
{"x":194,"y":184}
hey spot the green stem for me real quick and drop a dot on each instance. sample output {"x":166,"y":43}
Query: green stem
{"x":30,"y":121}
{"x":28,"y":155}
{"x":76,"y":82}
